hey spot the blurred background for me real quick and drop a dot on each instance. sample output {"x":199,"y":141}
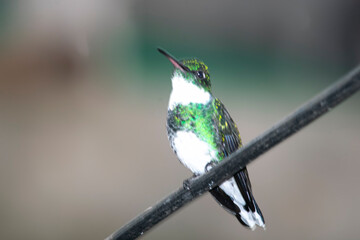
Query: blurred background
{"x":83,"y":103}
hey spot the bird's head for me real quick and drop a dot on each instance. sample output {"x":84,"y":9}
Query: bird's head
{"x":192,"y":71}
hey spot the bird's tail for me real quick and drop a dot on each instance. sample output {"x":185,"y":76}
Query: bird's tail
{"x":235,"y":195}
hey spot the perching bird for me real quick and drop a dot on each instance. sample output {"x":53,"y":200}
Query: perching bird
{"x":202,"y":133}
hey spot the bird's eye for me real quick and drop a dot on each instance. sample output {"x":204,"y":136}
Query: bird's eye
{"x":200,"y":74}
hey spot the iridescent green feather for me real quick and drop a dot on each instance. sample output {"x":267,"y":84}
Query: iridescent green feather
{"x":210,"y":122}
{"x":195,"y":65}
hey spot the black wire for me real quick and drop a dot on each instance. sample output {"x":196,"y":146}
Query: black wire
{"x":319,"y":105}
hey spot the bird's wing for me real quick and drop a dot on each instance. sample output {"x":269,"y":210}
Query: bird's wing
{"x":230,"y":141}
{"x":229,"y":137}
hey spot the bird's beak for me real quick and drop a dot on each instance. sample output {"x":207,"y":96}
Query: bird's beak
{"x":174,"y":62}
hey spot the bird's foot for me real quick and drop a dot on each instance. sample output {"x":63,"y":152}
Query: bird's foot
{"x":209,"y":166}
{"x":188,"y":182}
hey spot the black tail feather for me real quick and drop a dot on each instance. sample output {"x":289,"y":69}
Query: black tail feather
{"x":224,"y":200}
{"x":243,"y":181}
{"x":241,"y":221}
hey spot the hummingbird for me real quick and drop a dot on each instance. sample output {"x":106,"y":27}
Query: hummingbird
{"x":202,"y":133}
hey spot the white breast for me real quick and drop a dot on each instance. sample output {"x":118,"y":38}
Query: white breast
{"x":192,"y":151}
{"x":185,"y":92}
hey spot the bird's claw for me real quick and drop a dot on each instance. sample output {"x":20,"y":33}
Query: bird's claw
{"x":188,"y":182}
{"x":209,"y":166}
